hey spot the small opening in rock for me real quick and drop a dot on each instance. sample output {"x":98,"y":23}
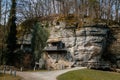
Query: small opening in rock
{"x":57,"y":23}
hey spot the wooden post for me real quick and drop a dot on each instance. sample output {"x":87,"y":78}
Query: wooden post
{"x":15,"y":73}
{"x":34,"y":68}
{"x":21,"y":69}
{"x":4,"y":70}
{"x":10,"y":71}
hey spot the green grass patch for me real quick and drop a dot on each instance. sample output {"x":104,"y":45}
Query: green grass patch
{"x":87,"y":74}
{"x":9,"y":77}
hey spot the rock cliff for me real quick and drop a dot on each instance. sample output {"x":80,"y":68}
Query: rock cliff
{"x":114,"y":48}
{"x":86,"y":45}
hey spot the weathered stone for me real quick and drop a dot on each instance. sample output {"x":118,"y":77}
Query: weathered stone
{"x":57,"y":61}
{"x":91,"y":31}
{"x":85,"y":45}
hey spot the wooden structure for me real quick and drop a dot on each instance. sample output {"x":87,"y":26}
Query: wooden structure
{"x":55,"y":55}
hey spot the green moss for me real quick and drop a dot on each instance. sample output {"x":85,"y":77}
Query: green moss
{"x":109,"y":22}
{"x":70,"y":19}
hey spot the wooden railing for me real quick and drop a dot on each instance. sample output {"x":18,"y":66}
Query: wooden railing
{"x":54,"y":48}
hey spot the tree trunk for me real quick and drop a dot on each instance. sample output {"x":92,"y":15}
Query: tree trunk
{"x":116,"y":10}
{"x":11,"y":38}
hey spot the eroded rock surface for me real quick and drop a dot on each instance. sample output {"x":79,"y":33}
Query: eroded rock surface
{"x":84,"y":45}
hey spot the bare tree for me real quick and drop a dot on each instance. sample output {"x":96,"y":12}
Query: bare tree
{"x":117,"y":6}
{"x":103,"y":9}
{"x":0,"y":10}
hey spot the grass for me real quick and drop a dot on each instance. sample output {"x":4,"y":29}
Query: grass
{"x":9,"y":77}
{"x":87,"y":74}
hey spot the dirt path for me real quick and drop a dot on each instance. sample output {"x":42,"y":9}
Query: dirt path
{"x":49,"y":75}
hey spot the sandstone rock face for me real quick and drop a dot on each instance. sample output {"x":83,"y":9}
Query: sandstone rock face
{"x":56,"y":61}
{"x":84,"y":45}
{"x":115,"y":46}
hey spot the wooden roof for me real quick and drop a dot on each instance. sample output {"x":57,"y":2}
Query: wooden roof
{"x":53,"y":40}
{"x":54,"y":49}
